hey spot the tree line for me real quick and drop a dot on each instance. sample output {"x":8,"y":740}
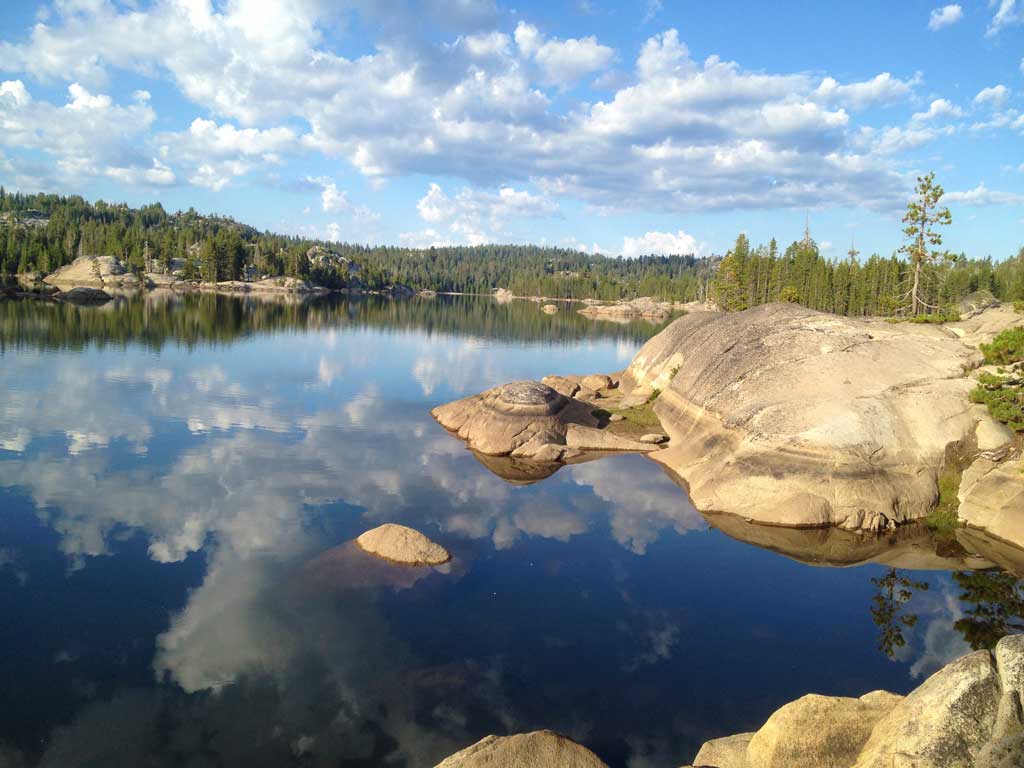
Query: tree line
{"x":923,"y":282}
{"x":44,"y":232}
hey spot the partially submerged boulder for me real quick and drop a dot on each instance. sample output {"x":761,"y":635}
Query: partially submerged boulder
{"x":538,"y":749}
{"x":529,"y":419}
{"x":794,"y":417}
{"x":550,"y":309}
{"x":82,"y":295}
{"x":400,"y":544}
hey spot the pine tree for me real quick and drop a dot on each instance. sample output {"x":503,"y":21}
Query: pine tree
{"x":922,"y":214}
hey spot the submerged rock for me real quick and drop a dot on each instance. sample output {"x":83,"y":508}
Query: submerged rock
{"x":400,"y":544}
{"x":966,"y":715}
{"x":528,"y":419}
{"x":538,"y":749}
{"x":550,"y":309}
{"x":789,"y":416}
{"x":83,"y":295}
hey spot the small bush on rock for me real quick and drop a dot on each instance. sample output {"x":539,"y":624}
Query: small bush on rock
{"x":1006,"y":348}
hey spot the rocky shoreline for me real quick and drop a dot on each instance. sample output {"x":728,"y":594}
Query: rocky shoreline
{"x":968,"y":714}
{"x":789,"y":417}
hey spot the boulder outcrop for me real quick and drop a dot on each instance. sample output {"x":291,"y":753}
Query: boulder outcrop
{"x":538,"y":749}
{"x":644,"y":306}
{"x":793,"y":417}
{"x":529,"y":419}
{"x":94,"y":272}
{"x":966,"y":715}
{"x":992,"y":498}
{"x":400,"y":544}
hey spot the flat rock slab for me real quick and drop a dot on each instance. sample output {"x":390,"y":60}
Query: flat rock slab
{"x":538,"y":749}
{"x":399,"y":544}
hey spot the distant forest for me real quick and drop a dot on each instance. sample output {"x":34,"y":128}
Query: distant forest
{"x":44,"y":232}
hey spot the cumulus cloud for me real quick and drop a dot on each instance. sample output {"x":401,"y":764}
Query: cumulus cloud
{"x":562,"y":61}
{"x":679,"y":135}
{"x":982,"y":195}
{"x":939,"y":108}
{"x":945,"y":16}
{"x":89,"y":136}
{"x":473,"y":213}
{"x":662,"y":244}
{"x":994,"y":96}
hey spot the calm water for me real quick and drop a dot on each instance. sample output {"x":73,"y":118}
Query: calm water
{"x":178,"y":482}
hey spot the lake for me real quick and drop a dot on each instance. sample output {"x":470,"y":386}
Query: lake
{"x":180,"y":481}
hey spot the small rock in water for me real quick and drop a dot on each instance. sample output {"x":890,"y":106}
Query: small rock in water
{"x":400,"y":544}
{"x":616,"y":417}
{"x":654,"y":439}
{"x":539,"y":749}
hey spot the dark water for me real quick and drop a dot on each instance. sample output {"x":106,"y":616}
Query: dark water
{"x":178,"y":481}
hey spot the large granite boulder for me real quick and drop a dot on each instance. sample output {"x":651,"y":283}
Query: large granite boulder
{"x":789,"y":416}
{"x":538,"y":749}
{"x":529,"y":419}
{"x":818,"y":731}
{"x":966,"y":715}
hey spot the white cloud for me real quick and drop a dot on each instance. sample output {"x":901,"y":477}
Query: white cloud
{"x":881,"y":89}
{"x":982,"y":195}
{"x":662,"y":244}
{"x":945,"y":16}
{"x":88,"y":137}
{"x":994,"y":96}
{"x":1007,"y":14}
{"x":939,"y":108}
{"x":471,"y":213}
{"x":562,"y":61}
{"x":681,"y":135}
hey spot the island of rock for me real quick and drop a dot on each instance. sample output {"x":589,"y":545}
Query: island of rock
{"x":530,"y":419}
{"x":399,"y":544}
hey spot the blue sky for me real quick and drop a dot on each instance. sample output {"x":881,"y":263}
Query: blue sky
{"x":632,"y":127}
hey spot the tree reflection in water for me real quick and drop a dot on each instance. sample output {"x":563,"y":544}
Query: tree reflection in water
{"x":997,"y":606}
{"x":894,"y":591}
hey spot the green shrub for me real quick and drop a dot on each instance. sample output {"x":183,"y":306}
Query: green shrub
{"x":1018,"y":306}
{"x":950,"y":316}
{"x":1004,"y":398}
{"x":1006,"y":348}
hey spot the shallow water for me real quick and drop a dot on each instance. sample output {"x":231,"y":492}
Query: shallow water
{"x":179,"y":479}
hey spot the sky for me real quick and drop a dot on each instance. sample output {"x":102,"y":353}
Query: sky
{"x":627,"y":128}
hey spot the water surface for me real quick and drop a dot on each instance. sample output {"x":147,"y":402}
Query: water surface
{"x":179,"y":481}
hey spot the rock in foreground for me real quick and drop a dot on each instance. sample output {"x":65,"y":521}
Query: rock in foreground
{"x":528,"y":419}
{"x":966,"y":715}
{"x":538,"y":749}
{"x":400,"y":544}
{"x":789,"y":416}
